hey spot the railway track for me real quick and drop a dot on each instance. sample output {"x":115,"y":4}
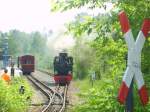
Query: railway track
{"x":56,"y":97}
{"x":45,"y":71}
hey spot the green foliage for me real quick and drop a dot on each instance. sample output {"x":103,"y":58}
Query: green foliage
{"x":107,"y":50}
{"x":103,"y":97}
{"x":136,"y":10}
{"x":109,"y":61}
{"x":38,"y":43}
{"x":10,"y":98}
{"x":35,"y":43}
{"x":82,"y":55}
{"x":63,"y":5}
{"x":100,"y":99}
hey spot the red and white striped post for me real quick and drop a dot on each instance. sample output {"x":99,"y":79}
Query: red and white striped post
{"x":134,"y":59}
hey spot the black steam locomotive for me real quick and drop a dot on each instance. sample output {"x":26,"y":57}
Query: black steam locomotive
{"x":63,"y":67}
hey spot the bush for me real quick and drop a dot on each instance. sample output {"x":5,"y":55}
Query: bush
{"x":103,"y":97}
{"x":10,"y":98}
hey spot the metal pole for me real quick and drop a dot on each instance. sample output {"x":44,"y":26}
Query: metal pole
{"x":129,"y":100}
{"x":5,"y":51}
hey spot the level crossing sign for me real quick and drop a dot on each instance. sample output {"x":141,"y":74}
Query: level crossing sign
{"x":133,"y":69}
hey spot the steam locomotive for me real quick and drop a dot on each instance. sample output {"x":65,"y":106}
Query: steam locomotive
{"x":63,"y":67}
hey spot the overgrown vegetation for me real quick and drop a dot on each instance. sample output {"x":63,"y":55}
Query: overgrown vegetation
{"x":10,"y":98}
{"x":102,"y":98}
{"x":100,"y":47}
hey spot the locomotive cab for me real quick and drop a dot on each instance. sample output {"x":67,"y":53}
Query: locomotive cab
{"x":63,"y":69}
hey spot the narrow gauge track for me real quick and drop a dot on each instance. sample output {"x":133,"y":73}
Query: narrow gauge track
{"x":64,"y":98}
{"x":56,"y":102}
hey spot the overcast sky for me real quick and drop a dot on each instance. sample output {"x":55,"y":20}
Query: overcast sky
{"x":32,"y":15}
{"x":35,"y":15}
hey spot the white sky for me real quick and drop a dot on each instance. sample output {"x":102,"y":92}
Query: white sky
{"x":32,"y":15}
{"x":35,"y":15}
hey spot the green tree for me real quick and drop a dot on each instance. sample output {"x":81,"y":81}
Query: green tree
{"x":109,"y":48}
{"x":35,"y":43}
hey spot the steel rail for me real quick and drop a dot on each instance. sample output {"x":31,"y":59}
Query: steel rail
{"x":42,"y":90}
{"x":51,"y":90}
{"x":53,"y":94}
{"x":50,"y":103}
{"x":64,"y":99}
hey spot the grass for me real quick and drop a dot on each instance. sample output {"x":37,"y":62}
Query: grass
{"x":86,"y":84}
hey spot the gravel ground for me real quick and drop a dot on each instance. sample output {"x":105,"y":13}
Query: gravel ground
{"x":47,"y":79}
{"x":72,"y":94}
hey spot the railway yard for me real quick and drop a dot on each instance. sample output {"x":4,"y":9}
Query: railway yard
{"x":50,"y":90}
{"x":47,"y":96}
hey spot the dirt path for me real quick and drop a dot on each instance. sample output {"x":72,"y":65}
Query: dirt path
{"x":72,"y":95}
